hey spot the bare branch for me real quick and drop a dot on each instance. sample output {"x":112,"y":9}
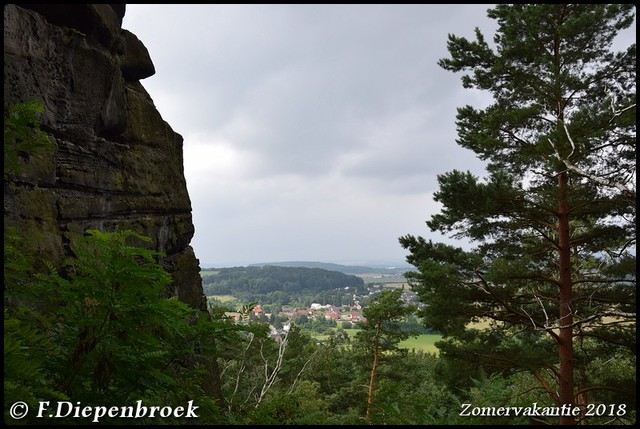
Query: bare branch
{"x":580,"y":172}
{"x":271,"y":378}
{"x":581,"y":322}
{"x":301,"y":371}
{"x":241,"y":370}
{"x":544,"y":310}
{"x":614,"y":111}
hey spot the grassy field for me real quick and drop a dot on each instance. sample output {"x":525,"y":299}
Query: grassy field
{"x":389,"y":282}
{"x":222,"y":298}
{"x":208,"y":273}
{"x":424,"y":342}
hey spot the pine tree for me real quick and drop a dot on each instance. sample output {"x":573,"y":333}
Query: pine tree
{"x":554,"y":220}
{"x":381,"y":331}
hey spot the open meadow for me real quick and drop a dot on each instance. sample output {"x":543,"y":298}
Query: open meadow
{"x":424,"y":342}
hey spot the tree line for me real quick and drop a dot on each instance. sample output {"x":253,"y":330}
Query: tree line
{"x":284,"y":285}
{"x":541,"y":311}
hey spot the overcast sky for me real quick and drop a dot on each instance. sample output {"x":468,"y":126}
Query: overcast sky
{"x":311,"y":132}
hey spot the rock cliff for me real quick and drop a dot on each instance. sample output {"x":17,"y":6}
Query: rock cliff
{"x":117,"y":164}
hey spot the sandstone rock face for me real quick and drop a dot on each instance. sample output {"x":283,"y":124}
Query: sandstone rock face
{"x":117,"y":164}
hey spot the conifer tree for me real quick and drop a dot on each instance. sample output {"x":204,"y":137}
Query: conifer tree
{"x":554,"y":220}
{"x":381,"y":331}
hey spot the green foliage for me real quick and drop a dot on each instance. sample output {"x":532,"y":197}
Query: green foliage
{"x":554,"y":219}
{"x":283,"y":285}
{"x":101,"y":331}
{"x":383,"y":320}
{"x":407,"y":392}
{"x":112,"y":303}
{"x":381,"y":332}
{"x":518,"y":390}
{"x":302,"y":406}
{"x":316,"y":324}
{"x":23,"y":136}
{"x":26,"y":348}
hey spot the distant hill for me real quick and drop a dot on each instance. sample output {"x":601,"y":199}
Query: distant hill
{"x":274,"y":284}
{"x":346,"y":269}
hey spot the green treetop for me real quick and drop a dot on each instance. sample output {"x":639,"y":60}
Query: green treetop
{"x":554,"y":220}
{"x":382,"y":331}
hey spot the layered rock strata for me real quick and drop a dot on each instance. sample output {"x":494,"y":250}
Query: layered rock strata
{"x":117,"y":164}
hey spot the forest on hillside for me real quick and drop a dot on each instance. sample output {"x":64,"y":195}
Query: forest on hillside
{"x":538,"y":320}
{"x":347,"y":269}
{"x":284,"y":285}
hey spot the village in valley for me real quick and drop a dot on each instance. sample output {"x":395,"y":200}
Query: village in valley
{"x":316,"y":316}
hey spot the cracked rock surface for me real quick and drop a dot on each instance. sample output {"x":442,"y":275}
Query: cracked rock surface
{"x":117,"y":164}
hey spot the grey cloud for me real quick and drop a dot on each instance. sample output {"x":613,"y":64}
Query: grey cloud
{"x":311,"y":131}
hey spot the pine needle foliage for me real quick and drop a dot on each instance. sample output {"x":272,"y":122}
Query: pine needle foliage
{"x":552,"y":275}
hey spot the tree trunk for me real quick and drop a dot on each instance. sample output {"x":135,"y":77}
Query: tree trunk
{"x":565,"y":341}
{"x":376,"y":352}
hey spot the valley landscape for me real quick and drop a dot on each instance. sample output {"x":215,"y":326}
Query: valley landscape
{"x":332,"y":141}
{"x":340,"y":319}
